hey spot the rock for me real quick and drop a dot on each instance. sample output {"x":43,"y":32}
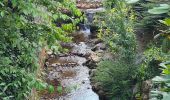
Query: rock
{"x":53,"y":75}
{"x":96,"y":41}
{"x":92,"y":72}
{"x":94,"y":57}
{"x":49,"y":52}
{"x":67,"y":45}
{"x":99,"y":46}
{"x":81,"y":49}
{"x":146,"y":87}
{"x":145,"y":97}
{"x":97,"y":86}
{"x":101,"y":92}
{"x":83,"y":82}
{"x":90,"y":64}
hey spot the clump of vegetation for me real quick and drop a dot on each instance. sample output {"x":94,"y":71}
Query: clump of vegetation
{"x":117,"y":77}
{"x":26,"y":27}
{"x":156,"y":55}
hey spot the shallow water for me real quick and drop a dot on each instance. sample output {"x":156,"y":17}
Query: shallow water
{"x":70,"y":72}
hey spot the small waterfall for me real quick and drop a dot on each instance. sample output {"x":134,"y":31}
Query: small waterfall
{"x":85,"y":27}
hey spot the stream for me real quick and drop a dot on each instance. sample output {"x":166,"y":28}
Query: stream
{"x":72,"y":71}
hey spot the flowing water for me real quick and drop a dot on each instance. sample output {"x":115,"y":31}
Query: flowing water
{"x":69,"y":71}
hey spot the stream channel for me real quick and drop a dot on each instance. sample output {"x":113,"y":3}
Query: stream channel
{"x":71,"y":71}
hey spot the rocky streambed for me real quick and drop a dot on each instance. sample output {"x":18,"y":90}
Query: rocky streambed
{"x":72,"y":71}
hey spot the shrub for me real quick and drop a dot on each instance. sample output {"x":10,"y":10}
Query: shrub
{"x":115,"y":78}
{"x":26,"y":26}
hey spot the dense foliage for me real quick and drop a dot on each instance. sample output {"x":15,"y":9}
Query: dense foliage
{"x":117,"y":31}
{"x":158,"y":51}
{"x":26,"y":27}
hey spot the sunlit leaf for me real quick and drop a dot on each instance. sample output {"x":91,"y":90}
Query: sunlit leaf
{"x":163,"y":8}
{"x":51,"y":88}
{"x":131,"y":1}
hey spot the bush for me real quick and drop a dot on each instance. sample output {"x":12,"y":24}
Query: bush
{"x":150,"y":65}
{"x":26,"y":26}
{"x":115,"y":78}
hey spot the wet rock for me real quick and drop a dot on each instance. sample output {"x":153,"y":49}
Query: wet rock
{"x":53,"y":75}
{"x":89,"y":5}
{"x":83,"y":82}
{"x":96,"y":86}
{"x":99,"y":46}
{"x":94,"y":29}
{"x":67,"y":45}
{"x":101,"y":92}
{"x":92,"y":72}
{"x":95,"y":41}
{"x":146,"y":87}
{"x":81,"y":49}
{"x":94,"y":57}
{"x":80,"y":36}
{"x":90,"y":64}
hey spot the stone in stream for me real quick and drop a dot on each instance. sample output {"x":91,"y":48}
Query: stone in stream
{"x":99,"y":46}
{"x":81,"y":49}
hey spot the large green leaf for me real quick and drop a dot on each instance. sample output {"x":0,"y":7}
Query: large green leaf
{"x":166,"y":96}
{"x":131,"y":1}
{"x":166,"y":21}
{"x":163,"y":8}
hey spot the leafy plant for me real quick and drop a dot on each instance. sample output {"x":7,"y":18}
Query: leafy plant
{"x":163,"y":8}
{"x":116,"y":30}
{"x":161,"y":92}
{"x":26,"y":27}
{"x":131,"y":1}
{"x":60,"y":89}
{"x":150,"y":64}
{"x":115,"y":78}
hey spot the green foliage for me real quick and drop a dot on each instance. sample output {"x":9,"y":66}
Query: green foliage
{"x":51,"y":88}
{"x":146,"y":20}
{"x":166,"y":21}
{"x":166,"y":35}
{"x":162,"y":90}
{"x":116,"y":30}
{"x":131,"y":1}
{"x":60,"y":89}
{"x":115,"y":77}
{"x":26,"y":26}
{"x":150,"y":65}
{"x":163,"y":8}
